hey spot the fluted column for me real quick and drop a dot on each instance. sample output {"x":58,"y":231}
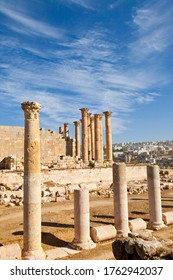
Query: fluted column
{"x":89,"y":138}
{"x":154,"y":196}
{"x":108,"y":136}
{"x":32,"y":249}
{"x":84,"y":112}
{"x":77,"y":137}
{"x":92,"y":137}
{"x":97,"y":138}
{"x":101,"y":138}
{"x":66,"y":130}
{"x":120,"y":199}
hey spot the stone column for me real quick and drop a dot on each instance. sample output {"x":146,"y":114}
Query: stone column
{"x":89,"y":138}
{"x":32,"y":249}
{"x":84,"y":134}
{"x":77,"y":137}
{"x":66,"y":130}
{"x":61,"y":130}
{"x":97,"y":138}
{"x":101,"y":138}
{"x":108,"y":136}
{"x":82,"y":238}
{"x":154,"y":196}
{"x":120,"y":199}
{"x":92,"y":137}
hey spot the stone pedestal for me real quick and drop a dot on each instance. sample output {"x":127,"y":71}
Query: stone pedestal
{"x":82,"y":238}
{"x":108,"y":136}
{"x":97,"y":138}
{"x":92,"y":137}
{"x":154,"y":196}
{"x":66,"y":130}
{"x":32,"y":249}
{"x":120,"y":199}
{"x":84,"y":134}
{"x":77,"y":137}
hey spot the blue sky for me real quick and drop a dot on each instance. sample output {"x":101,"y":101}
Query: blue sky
{"x":104,"y":55}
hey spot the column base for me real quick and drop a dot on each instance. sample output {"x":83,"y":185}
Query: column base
{"x":121,"y":233}
{"x":83,"y":245}
{"x":155,"y":226}
{"x":34,"y":255}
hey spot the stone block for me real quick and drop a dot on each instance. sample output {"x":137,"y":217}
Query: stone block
{"x":10,"y":252}
{"x":168,"y":218}
{"x":137,"y":224}
{"x":102,"y":233}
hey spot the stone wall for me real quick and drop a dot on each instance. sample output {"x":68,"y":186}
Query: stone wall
{"x":12,"y":144}
{"x":76,"y":176}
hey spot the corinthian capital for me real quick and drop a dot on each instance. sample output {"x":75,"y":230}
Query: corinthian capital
{"x":31,"y":109}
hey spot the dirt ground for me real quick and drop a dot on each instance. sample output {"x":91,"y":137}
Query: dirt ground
{"x":58,"y":223}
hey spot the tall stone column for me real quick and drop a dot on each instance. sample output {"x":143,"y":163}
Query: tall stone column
{"x":108,"y":136}
{"x":92,"y":137}
{"x":97,"y":138}
{"x":77,"y":137}
{"x":120,"y":199}
{"x":32,"y":249}
{"x":82,"y":238}
{"x":89,"y":138}
{"x":66,"y":130}
{"x":154,"y":196}
{"x":84,"y":112}
{"x":101,"y":138}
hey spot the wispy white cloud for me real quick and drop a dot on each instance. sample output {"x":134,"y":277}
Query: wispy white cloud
{"x":87,"y":4}
{"x":28,"y":25}
{"x":154,"y":29}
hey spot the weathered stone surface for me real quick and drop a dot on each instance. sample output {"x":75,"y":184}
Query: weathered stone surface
{"x":137,"y":224}
{"x":168,"y":218}
{"x":101,"y":233}
{"x":10,"y":252}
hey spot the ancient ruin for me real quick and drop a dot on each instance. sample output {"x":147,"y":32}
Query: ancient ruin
{"x":42,"y":167}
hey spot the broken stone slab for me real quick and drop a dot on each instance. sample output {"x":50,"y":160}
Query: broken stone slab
{"x":167,"y":217}
{"x":137,"y":224}
{"x":102,"y":233}
{"x":10,"y":252}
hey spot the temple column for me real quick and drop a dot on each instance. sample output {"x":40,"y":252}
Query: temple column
{"x":77,"y":137}
{"x":89,"y":138}
{"x":101,"y":138}
{"x":32,"y":249}
{"x":120,"y":199}
{"x":154,"y":196}
{"x":84,"y":134}
{"x":92,"y":137}
{"x":97,"y":138}
{"x":108,"y":136}
{"x":66,"y":130}
{"x":82,"y":238}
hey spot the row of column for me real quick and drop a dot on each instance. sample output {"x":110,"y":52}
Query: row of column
{"x":121,"y":200}
{"x":92,"y":136}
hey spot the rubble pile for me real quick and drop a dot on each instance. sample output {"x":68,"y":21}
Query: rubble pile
{"x":142,"y":245}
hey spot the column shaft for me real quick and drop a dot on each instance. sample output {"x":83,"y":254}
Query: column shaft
{"x":92,"y":137}
{"x":84,"y":134}
{"x":120,"y":199}
{"x":108,"y":136}
{"x":89,"y":138}
{"x":32,"y":183}
{"x":101,"y":138}
{"x":154,"y":196}
{"x":66,"y":130}
{"x":82,"y":238}
{"x":77,"y":137}
{"x":97,"y":138}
